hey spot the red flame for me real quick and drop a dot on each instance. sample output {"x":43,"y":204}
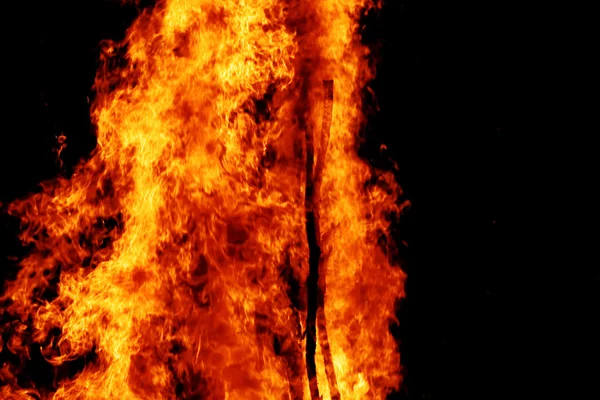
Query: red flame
{"x":222,"y":241}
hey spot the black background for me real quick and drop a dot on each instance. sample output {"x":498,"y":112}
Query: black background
{"x":450,"y":90}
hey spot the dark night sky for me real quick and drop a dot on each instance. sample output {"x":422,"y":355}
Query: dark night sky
{"x":450,"y":92}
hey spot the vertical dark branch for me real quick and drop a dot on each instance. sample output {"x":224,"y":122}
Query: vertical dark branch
{"x":316,"y":276}
{"x":314,"y":253}
{"x":322,"y":270}
{"x":311,"y":317}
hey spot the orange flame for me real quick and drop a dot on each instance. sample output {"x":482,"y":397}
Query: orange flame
{"x":175,"y":260}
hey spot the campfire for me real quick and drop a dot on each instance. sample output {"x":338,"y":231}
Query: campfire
{"x":224,"y":240}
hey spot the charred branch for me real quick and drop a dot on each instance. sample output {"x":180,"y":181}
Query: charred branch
{"x":314,"y":252}
{"x":316,"y":275}
{"x":322,"y":270}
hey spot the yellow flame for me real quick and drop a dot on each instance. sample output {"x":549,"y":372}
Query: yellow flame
{"x":176,"y":243}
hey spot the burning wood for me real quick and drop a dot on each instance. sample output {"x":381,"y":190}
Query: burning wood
{"x":189,"y":254}
{"x":317,"y":273}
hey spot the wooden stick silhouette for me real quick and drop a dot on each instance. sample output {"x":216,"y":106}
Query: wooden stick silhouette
{"x":316,"y":281}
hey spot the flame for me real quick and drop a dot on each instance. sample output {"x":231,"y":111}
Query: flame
{"x":174,"y":262}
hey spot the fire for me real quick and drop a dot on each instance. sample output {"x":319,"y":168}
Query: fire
{"x":195,"y":255}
